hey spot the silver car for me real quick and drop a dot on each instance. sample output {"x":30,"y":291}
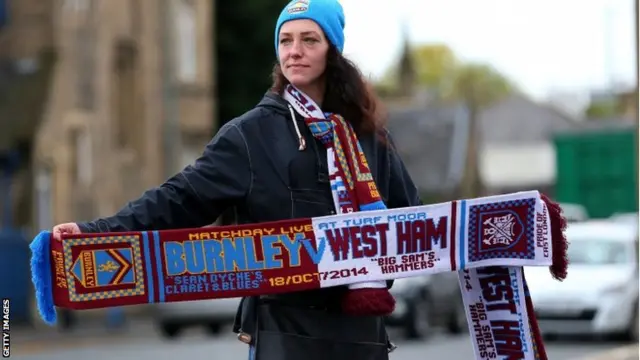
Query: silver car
{"x":600,"y":294}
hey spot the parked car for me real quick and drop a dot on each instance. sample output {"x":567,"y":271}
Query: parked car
{"x":574,"y":212}
{"x":171,"y":318}
{"x":600,"y":294}
{"x":629,"y":218}
{"x":428,"y":302}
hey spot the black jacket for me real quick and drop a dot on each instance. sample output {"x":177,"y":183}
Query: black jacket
{"x":253,"y":165}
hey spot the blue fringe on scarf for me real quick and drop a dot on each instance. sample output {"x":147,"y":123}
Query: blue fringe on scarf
{"x":41,"y":276}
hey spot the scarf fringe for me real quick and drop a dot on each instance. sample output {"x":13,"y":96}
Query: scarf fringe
{"x":41,"y":276}
{"x":559,"y":243}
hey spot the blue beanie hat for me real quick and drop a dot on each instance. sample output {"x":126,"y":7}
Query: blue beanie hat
{"x":326,"y":13}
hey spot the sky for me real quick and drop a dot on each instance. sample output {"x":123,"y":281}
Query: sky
{"x":545,"y":46}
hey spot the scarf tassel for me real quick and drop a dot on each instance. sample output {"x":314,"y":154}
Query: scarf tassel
{"x":368,"y":302}
{"x":559,"y":243}
{"x":376,"y":301}
{"x":41,"y":276}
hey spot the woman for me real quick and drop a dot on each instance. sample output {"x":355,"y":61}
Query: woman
{"x":267,"y":165}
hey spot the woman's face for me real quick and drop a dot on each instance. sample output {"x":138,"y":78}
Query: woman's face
{"x":302,"y":51}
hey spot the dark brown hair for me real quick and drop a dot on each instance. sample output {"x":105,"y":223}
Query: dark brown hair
{"x":347,"y":94}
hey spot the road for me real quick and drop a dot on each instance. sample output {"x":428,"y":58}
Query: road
{"x":144,"y":343}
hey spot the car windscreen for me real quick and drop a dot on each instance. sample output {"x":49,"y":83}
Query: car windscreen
{"x":600,"y":252}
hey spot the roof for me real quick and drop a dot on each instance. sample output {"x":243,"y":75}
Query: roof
{"x":517,"y":119}
{"x":431,"y":141}
{"x":601,"y":124}
{"x":515,"y":142}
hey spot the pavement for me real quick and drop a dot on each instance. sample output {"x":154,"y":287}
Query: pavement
{"x":140,"y":340}
{"x":629,"y":352}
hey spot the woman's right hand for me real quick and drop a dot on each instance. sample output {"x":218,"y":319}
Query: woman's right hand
{"x":65,"y":229}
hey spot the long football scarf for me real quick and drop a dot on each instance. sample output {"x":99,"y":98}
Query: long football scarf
{"x":486,"y":240}
{"x":352,"y":188}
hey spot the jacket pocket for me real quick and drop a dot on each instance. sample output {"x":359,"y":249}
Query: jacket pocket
{"x":311,"y":203}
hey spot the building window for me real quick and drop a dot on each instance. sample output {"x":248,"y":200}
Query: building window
{"x":76,"y":5}
{"x":85,"y":52}
{"x":4,"y":13}
{"x":125,"y":96}
{"x":185,"y":40}
{"x":82,"y":157}
{"x":44,"y":197}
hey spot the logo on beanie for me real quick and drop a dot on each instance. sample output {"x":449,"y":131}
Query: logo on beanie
{"x":298,"y":6}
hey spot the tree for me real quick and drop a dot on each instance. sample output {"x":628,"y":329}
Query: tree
{"x":434,"y":67}
{"x":243,"y":58}
{"x":447,"y":78}
{"x":602,"y":109}
{"x":439,"y":70}
{"x":477,"y":86}
{"x":244,"y":54}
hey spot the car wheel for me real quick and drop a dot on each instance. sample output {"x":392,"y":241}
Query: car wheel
{"x":68,"y":320}
{"x":632,"y":333}
{"x":213,"y":328}
{"x":417,"y":324}
{"x":458,"y":321}
{"x":170,"y":330}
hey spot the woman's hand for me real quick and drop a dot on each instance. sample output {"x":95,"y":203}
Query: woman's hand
{"x":64,"y":229}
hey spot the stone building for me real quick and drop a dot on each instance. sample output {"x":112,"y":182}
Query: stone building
{"x":130,"y":102}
